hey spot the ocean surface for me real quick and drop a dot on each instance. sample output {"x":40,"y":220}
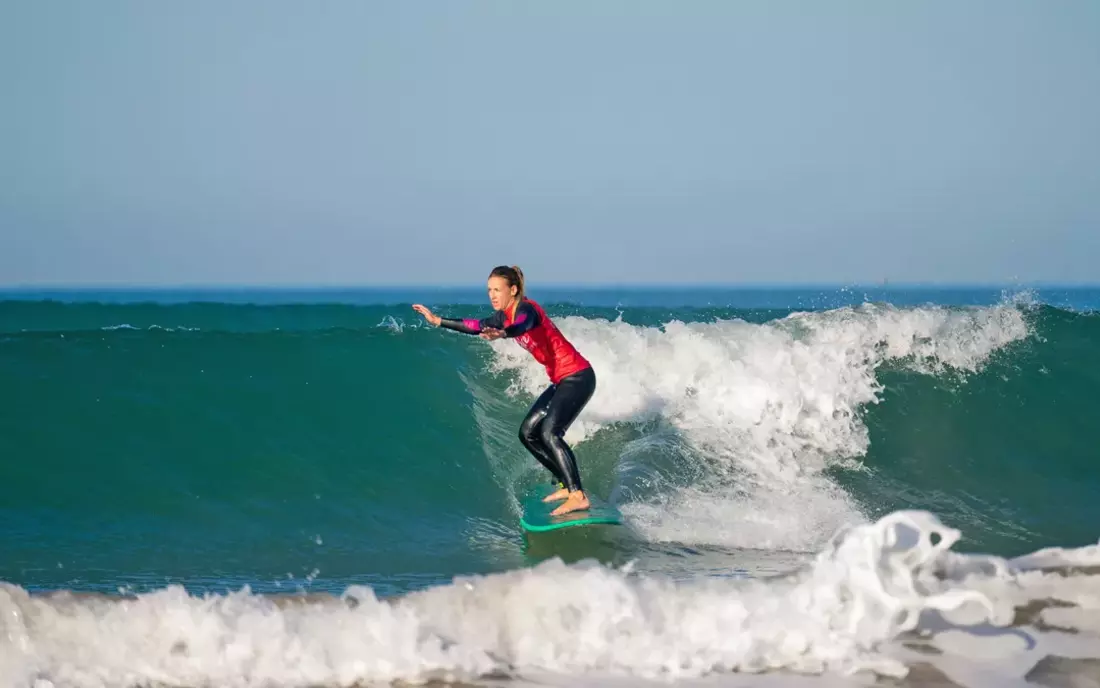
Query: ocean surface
{"x":821,"y":486}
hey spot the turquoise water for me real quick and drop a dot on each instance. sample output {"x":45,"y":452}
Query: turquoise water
{"x":308,"y":441}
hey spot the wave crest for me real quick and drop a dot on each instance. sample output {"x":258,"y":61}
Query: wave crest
{"x":760,"y":409}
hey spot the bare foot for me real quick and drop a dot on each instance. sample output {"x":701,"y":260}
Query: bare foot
{"x":557,"y":496}
{"x":576,"y":501}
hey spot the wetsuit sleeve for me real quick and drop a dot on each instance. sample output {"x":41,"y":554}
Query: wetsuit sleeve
{"x":527,"y":319}
{"x":471,"y":326}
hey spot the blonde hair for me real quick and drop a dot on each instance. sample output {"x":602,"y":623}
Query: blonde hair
{"x":520,"y":288}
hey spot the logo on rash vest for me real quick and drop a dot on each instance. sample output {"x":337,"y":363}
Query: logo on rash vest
{"x":525,"y":341}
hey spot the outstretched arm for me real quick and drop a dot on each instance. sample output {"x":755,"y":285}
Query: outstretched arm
{"x":466,"y":325}
{"x":471,"y":326}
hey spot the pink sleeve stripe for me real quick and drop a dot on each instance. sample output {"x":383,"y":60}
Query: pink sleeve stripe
{"x":472,"y":324}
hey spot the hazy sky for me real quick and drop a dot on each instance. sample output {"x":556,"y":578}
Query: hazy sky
{"x":392,"y":142}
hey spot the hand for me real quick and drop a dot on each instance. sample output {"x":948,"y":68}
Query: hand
{"x":432,"y":318}
{"x":491,"y":333}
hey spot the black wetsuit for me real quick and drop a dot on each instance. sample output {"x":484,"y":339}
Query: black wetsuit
{"x":572,"y":384}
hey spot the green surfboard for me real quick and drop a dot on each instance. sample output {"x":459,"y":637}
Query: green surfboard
{"x":536,"y":513}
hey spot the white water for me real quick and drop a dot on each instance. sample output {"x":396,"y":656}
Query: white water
{"x":872,"y":587}
{"x":761,"y":409}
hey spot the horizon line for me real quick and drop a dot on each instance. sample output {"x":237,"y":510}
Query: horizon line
{"x":306,"y":286}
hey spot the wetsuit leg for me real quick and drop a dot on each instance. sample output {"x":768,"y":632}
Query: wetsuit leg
{"x":530,"y":437}
{"x":570,"y":397}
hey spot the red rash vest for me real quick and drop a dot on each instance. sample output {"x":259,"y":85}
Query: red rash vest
{"x":533,"y":330}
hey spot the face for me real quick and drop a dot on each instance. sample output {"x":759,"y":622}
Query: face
{"x":500,"y":293}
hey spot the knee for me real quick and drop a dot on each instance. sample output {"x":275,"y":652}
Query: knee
{"x":529,"y":430}
{"x":549,"y":434}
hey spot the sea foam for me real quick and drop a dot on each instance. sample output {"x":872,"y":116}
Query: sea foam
{"x":880,"y":598}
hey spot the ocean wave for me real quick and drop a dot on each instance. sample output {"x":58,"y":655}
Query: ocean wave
{"x":761,"y":409}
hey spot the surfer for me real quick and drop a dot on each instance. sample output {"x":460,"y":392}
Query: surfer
{"x":572,"y":380}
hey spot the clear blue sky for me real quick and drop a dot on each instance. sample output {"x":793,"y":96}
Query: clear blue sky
{"x":213,"y":142}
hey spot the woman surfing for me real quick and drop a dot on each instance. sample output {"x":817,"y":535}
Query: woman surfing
{"x":572,"y":380}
